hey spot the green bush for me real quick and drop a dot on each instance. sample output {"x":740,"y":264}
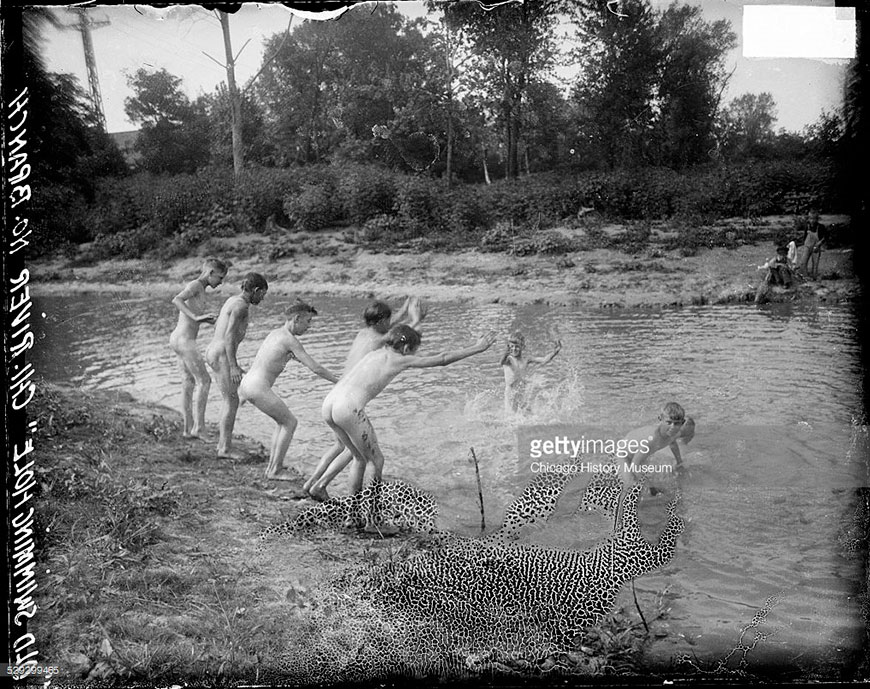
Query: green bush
{"x":366,"y":192}
{"x":553,"y":244}
{"x":128,"y":244}
{"x":260,"y":194}
{"x":313,"y":208}
{"x":420,"y":206}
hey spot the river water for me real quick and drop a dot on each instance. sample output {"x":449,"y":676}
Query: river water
{"x":770,"y":480}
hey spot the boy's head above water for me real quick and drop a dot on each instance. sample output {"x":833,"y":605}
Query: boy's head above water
{"x":516,"y":343}
{"x":403,"y":339}
{"x":377,"y":315}
{"x":672,"y":418}
{"x":255,"y":286}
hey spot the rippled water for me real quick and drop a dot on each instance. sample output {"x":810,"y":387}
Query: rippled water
{"x":771,"y":474}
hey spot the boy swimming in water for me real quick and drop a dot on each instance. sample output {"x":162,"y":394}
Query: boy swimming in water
{"x":229,"y":330}
{"x":190,"y":303}
{"x":344,"y":407}
{"x":673,"y":425}
{"x":516,"y":367}
{"x":378,"y":319}
{"x":279,"y":347}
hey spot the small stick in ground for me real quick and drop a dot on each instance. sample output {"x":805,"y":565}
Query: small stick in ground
{"x":637,"y":605}
{"x":479,"y":492}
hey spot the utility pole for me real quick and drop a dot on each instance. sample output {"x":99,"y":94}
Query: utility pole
{"x":84,"y":27}
{"x":235,"y":100}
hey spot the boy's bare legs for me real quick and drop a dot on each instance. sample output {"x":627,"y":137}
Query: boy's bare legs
{"x":330,"y":465}
{"x":194,"y":379}
{"x":230,"y":395}
{"x":353,"y":428}
{"x":270,"y":404}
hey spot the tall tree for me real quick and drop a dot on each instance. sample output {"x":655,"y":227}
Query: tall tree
{"x":613,"y":96}
{"x":692,"y":77}
{"x":515,"y":45}
{"x":173,"y":136}
{"x":331,"y":82}
{"x":746,"y":126}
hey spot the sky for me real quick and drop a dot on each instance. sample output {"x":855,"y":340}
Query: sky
{"x":187,"y":41}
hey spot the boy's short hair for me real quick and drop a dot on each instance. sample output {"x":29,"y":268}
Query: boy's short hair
{"x":672,"y":410}
{"x":782,"y":249}
{"x":254,"y":281}
{"x":213,"y":263}
{"x":403,"y":338}
{"x":517,"y":338}
{"x":299,"y":306}
{"x":376,"y":312}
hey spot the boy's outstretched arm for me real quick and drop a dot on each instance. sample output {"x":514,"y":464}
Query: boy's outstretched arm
{"x":305,"y":359}
{"x":446,"y":358}
{"x":676,"y":451}
{"x":547,"y":359}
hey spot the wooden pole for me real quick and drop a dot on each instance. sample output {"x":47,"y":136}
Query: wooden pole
{"x":235,"y":100}
{"x":479,"y":492}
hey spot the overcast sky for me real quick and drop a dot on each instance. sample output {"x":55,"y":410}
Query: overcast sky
{"x":182,"y":38}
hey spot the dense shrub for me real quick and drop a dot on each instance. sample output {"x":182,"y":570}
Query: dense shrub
{"x":128,"y":244}
{"x":313,"y":208}
{"x":553,"y":244}
{"x":260,"y":194}
{"x":421,"y":206}
{"x":378,"y":228}
{"x":499,"y":238}
{"x":366,"y":192}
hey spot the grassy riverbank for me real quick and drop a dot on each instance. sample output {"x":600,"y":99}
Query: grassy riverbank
{"x":155,"y":574}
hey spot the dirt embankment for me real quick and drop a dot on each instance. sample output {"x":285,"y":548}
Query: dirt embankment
{"x":326,"y":263}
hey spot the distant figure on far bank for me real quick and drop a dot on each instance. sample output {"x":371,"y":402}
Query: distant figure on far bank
{"x":778,"y":274}
{"x":516,"y":367}
{"x":280,"y":346}
{"x":195,"y":381}
{"x":229,"y":330}
{"x":810,"y":251}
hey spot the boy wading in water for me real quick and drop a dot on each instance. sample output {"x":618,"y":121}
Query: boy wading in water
{"x":279,"y":347}
{"x":229,"y":331}
{"x":673,"y":425}
{"x":378,"y":318}
{"x":190,"y":303}
{"x":516,"y":367}
{"x":344,"y":406}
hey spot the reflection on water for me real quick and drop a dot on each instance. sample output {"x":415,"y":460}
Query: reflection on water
{"x":770,"y":478}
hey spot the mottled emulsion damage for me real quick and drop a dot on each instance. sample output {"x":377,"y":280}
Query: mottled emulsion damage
{"x":467,"y":605}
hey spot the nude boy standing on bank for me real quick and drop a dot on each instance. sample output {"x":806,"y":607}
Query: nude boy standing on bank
{"x":190,"y":303}
{"x":280,"y":346}
{"x":229,"y":330}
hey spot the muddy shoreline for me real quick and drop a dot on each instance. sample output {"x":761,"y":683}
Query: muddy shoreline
{"x":327,"y":263}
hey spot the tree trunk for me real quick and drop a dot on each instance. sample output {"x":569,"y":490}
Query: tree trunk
{"x":486,"y":169}
{"x":235,"y":101}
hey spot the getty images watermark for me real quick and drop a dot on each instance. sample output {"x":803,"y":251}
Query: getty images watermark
{"x":560,"y":454}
